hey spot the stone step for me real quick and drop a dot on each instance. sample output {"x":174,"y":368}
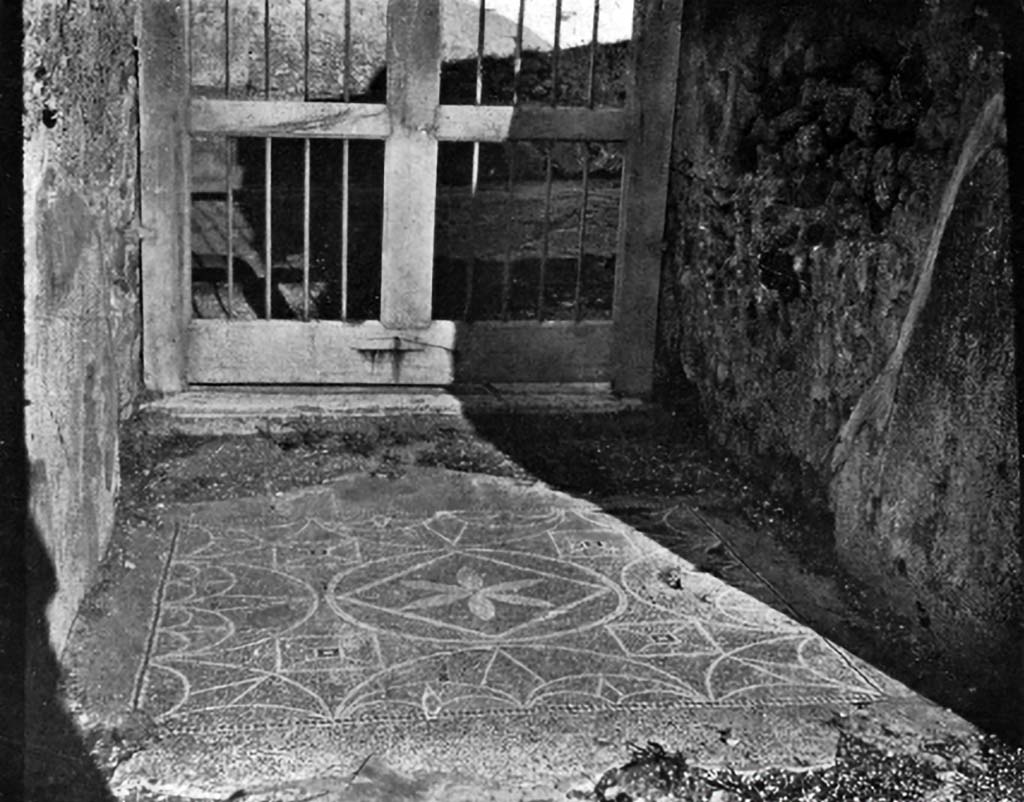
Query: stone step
{"x":248,"y":410}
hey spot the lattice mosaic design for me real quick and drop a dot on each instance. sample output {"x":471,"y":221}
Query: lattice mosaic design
{"x":335,"y":617}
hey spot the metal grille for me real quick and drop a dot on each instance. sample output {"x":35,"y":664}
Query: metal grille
{"x":291,"y":228}
{"x":272,"y":232}
{"x":534,"y":236}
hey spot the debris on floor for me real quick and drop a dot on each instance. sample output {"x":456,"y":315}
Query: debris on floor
{"x":628,"y":471}
{"x":862,"y":773}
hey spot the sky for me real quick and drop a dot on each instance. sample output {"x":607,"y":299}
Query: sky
{"x":615,"y":21}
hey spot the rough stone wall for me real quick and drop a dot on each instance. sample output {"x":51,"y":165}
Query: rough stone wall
{"x":81,"y":276}
{"x":814,"y":143}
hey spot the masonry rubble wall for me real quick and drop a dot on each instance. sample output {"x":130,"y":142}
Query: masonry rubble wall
{"x":815,"y":158}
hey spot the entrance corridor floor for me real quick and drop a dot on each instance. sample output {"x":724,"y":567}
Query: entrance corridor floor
{"x":445,"y":635}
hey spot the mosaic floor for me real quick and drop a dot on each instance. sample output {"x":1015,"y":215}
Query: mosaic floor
{"x":329,"y":608}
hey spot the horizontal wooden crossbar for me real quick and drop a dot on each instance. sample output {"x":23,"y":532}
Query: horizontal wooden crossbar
{"x":333,"y":352}
{"x":326,"y":352}
{"x":285,"y":118}
{"x":288,"y":118}
{"x":531,"y":351}
{"x":499,"y":123}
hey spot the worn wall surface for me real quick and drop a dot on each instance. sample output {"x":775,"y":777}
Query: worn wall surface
{"x":814,"y":146}
{"x":81,"y":276}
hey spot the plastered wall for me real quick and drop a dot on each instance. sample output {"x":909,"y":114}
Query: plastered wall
{"x":81,"y":278}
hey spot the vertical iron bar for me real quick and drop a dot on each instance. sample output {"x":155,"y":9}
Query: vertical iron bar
{"x":267,"y":240}
{"x":227,"y":49}
{"x":555,"y":58}
{"x":347,"y":76}
{"x":186,"y":12}
{"x":229,"y":162}
{"x":185,"y":204}
{"x":266,"y":50}
{"x":582,"y":243}
{"x":305,"y":50}
{"x":546,"y":237}
{"x":305,"y":228}
{"x":517,"y":64}
{"x":346,"y":95}
{"x":267,"y":170}
{"x":344,"y":227}
{"x":555,"y":53}
{"x":480,"y":45}
{"x":478,"y":99}
{"x":577,"y":311}
{"x":545,"y":242}
{"x":479,"y":96}
{"x":506,"y":278}
{"x":593,"y":56}
{"x":517,"y":69}
{"x":475,"y":182}
{"x":306,"y":189}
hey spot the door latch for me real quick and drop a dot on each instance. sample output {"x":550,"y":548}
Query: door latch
{"x":392,"y":345}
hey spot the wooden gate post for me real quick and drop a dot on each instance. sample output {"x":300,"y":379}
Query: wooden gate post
{"x":410,"y":162}
{"x":657,"y":28}
{"x":163,"y":177}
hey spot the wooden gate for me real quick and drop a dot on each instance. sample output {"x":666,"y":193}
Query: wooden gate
{"x":348,"y":193}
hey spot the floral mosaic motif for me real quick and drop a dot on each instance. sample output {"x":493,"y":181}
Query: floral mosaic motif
{"x":480,"y":598}
{"x":412,"y":595}
{"x":344,"y":615}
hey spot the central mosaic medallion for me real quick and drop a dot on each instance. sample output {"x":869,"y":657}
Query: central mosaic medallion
{"x":475,"y":595}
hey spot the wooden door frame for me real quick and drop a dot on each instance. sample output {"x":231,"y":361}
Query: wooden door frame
{"x":163,"y":166}
{"x":167,"y":112}
{"x":654,"y":70}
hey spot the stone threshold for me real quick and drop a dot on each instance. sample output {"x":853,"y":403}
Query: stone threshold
{"x":235,"y":410}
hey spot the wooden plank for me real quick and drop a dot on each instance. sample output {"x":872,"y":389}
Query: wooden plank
{"x":500,"y":123}
{"x":287,"y":118}
{"x":325,"y":352}
{"x":528,"y":351}
{"x":164,"y":157}
{"x":657,"y":29}
{"x":410,"y":162}
{"x":408,"y":230}
{"x":333,"y":352}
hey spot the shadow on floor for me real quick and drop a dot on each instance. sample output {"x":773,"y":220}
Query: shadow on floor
{"x":57,"y":760}
{"x":629,"y":463}
{"x":610,"y":459}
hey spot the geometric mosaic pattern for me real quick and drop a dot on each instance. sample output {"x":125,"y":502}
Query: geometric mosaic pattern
{"x":339,"y":613}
